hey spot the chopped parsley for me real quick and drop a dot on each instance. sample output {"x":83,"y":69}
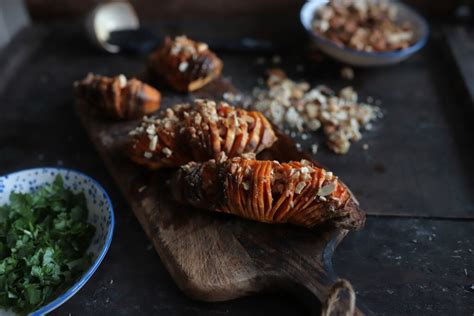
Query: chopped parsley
{"x":44,"y":236}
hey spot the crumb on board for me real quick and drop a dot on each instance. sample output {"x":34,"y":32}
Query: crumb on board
{"x":347,"y":73}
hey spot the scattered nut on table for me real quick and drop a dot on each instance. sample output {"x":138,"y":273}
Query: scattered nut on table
{"x":297,"y":106}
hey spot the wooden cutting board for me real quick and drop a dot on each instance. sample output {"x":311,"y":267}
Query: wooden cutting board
{"x":213,"y":256}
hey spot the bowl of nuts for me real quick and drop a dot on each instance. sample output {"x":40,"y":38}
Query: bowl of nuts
{"x":364,"y":32}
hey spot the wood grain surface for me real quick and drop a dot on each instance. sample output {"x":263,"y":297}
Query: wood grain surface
{"x":216,"y":257}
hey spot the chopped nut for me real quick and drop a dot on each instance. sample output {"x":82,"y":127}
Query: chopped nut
{"x":327,"y":189}
{"x":299,"y":187}
{"x":364,"y":25}
{"x":304,"y":170}
{"x":198,"y":119}
{"x":151,"y":129}
{"x":305,"y":162}
{"x":188,"y":167}
{"x":347,"y":73}
{"x":202,"y":47}
{"x":348,"y":94}
{"x":167,"y":152}
{"x":294,"y":106}
{"x":246,"y":186}
{"x":147,"y":155}
{"x":183,"y":66}
{"x":122,"y":81}
{"x":153,"y":142}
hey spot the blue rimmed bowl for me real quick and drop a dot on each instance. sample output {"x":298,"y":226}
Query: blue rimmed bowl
{"x":361,"y":58}
{"x":101,"y":215}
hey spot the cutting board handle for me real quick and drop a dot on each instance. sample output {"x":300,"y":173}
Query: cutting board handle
{"x":326,"y":295}
{"x":315,"y":282}
{"x":333,"y":305}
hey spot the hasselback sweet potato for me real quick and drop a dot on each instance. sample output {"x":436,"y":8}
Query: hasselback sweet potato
{"x":297,"y":192}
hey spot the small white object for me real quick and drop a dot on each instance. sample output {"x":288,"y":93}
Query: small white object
{"x":122,"y":80}
{"x":183,"y":66}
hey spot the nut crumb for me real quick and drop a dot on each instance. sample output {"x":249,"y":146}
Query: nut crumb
{"x":183,"y":66}
{"x":299,"y":187}
{"x":167,"y":152}
{"x":153,"y":142}
{"x":296,"y":107}
{"x":327,"y":189}
{"x":347,"y":73}
{"x":122,"y":80}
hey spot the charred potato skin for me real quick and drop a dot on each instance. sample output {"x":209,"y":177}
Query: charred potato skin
{"x":185,"y":65}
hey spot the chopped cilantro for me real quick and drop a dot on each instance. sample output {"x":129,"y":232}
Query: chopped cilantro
{"x":44,"y":236}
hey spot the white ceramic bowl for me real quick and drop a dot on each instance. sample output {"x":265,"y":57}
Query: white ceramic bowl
{"x":101,"y":215}
{"x":360,"y":58}
{"x":108,"y":17}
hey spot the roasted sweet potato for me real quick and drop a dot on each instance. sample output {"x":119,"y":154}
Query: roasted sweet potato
{"x":198,"y":132}
{"x":118,"y":97}
{"x":297,"y":192}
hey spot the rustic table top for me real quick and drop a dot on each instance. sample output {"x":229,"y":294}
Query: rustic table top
{"x":398,"y":265}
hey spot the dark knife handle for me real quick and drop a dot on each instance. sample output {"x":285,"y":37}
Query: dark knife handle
{"x":139,"y":41}
{"x":142,"y":41}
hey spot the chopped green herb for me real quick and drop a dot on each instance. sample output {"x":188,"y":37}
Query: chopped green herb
{"x":44,"y":237}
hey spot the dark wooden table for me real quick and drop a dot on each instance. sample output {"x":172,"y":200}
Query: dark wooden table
{"x":398,"y":265}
